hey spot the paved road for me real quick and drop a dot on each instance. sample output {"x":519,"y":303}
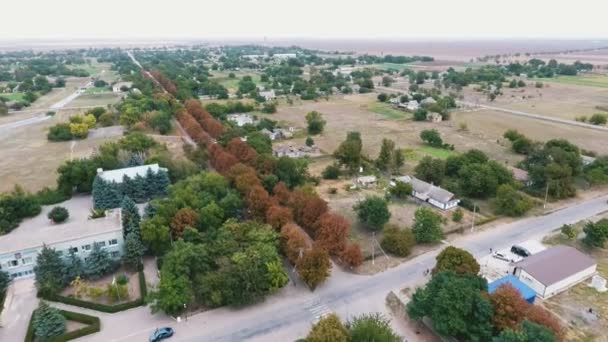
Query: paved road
{"x":289,"y":314}
{"x":514,"y":112}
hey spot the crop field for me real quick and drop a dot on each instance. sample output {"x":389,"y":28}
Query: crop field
{"x":600,"y":81}
{"x":388,"y":111}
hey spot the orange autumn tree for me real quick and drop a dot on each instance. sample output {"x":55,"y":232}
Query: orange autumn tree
{"x":314,"y":266}
{"x":332,"y":232}
{"x":509,"y":308}
{"x":277,"y":216}
{"x":258,"y":201}
{"x":293,"y":240}
{"x":539,"y":315}
{"x":352,"y":255}
{"x":282,"y":193}
{"x":243,"y":152}
{"x":185,"y":217}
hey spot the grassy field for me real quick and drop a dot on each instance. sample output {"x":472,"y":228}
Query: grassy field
{"x":585,"y":80}
{"x":388,"y":111}
{"x":12,"y":96}
{"x":232,"y":84}
{"x":95,"y":90}
{"x":391,"y":66}
{"x":419,"y":153}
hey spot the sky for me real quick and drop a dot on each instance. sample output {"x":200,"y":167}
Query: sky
{"x":318,"y":19}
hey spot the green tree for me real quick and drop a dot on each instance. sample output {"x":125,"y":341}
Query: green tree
{"x":384,"y":161}
{"x":73,"y":268}
{"x":134,"y":252}
{"x":49,"y":271}
{"x":430,"y":170}
{"x":98,"y":262}
{"x":48,"y":322}
{"x":373,"y":212}
{"x":310,"y":142}
{"x":510,"y":202}
{"x":431,"y":137}
{"x":130,"y":217}
{"x":401,"y":190}
{"x":173,"y":292}
{"x":397,"y":241}
{"x":427,"y":226}
{"x":456,"y":260}
{"x":211,"y":216}
{"x":328,"y":329}
{"x":291,"y":171}
{"x":382,"y":97}
{"x":349,"y":151}
{"x":598,"y":119}
{"x":456,"y":305}
{"x":314,"y":266}
{"x":371,"y":327}
{"x":58,"y":214}
{"x":529,"y":332}
{"x":457,"y":215}
{"x":596,"y":233}
{"x":260,"y":142}
{"x":315,"y":122}
{"x":59,"y":132}
{"x":569,"y":231}
{"x":331,"y":172}
{"x":5,"y":280}
{"x":105,"y":195}
{"x":420,"y":114}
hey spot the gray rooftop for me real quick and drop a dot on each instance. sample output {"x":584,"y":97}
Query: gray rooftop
{"x":431,"y":191}
{"x":131,"y":172}
{"x":36,"y":231}
{"x":555,"y":264}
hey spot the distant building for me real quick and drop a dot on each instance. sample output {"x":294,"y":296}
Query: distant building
{"x":19,"y":248}
{"x":427,"y":192}
{"x":241,"y":119}
{"x":117,"y":176}
{"x":554,"y":270}
{"x":367,"y":181}
{"x":428,"y":101}
{"x":278,"y":133}
{"x":121,"y":86}
{"x":284,"y":55}
{"x":268,"y":95}
{"x":412,"y":105}
{"x":286,"y":151}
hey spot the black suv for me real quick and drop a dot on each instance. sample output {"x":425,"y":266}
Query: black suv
{"x":522,"y":252}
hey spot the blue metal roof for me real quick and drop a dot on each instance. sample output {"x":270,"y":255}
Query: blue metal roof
{"x":526,"y":292}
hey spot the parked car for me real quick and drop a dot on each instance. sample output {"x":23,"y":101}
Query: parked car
{"x":522,"y":252}
{"x":500,"y":256}
{"x":161,"y":334}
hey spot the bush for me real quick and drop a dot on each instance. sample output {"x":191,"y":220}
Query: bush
{"x":58,"y":214}
{"x":48,"y":322}
{"x":457,"y":215}
{"x":60,"y":132}
{"x":398,"y":241}
{"x":122,"y":279}
{"x":93,"y":325}
{"x":117,"y":292}
{"x":569,"y":231}
{"x":598,"y":119}
{"x":382,"y":97}
{"x":373,"y":212}
{"x":331,"y":172}
{"x":48,"y":196}
{"x":106,"y":119}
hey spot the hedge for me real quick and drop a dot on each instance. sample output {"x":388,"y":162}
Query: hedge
{"x":93,"y":325}
{"x":104,"y":307}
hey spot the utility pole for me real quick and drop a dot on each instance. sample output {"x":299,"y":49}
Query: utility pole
{"x":373,"y":248}
{"x":546,"y":195}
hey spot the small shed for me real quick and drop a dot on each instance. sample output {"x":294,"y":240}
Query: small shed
{"x":434,"y":117}
{"x":526,"y":292}
{"x":367,"y":181}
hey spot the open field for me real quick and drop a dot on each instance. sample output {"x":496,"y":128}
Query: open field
{"x":92,"y":100}
{"x":351,"y":113}
{"x":12,"y":96}
{"x":600,"y":81}
{"x":490,"y":125}
{"x":232,"y":84}
{"x":387,"y":110}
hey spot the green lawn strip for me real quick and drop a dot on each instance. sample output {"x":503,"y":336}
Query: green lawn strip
{"x":587,"y":81}
{"x":12,"y":96}
{"x":386,"y":110}
{"x":421,"y":152}
{"x":93,"y":326}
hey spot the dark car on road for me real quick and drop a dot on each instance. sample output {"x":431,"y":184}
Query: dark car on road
{"x":161,"y":334}
{"x":522,"y":252}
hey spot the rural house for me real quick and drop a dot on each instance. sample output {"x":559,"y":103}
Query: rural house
{"x":268,"y":95}
{"x":428,"y":101}
{"x":367,"y":181}
{"x":427,"y":192}
{"x":412,"y":105}
{"x":241,"y":119}
{"x":434,"y":117}
{"x":554,"y":270}
{"x":121,"y":86}
{"x":286,"y":151}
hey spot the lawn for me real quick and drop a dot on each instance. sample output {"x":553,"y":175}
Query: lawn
{"x":95,"y":90}
{"x":419,"y":153}
{"x":599,"y":81}
{"x":13,"y":96}
{"x":388,"y":111}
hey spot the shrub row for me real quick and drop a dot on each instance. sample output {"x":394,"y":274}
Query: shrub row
{"x":104,"y":307}
{"x":93,"y":326}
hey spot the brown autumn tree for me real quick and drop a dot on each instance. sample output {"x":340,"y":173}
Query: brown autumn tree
{"x":282,"y":193}
{"x":193,"y":128}
{"x":332,"y":232}
{"x":185,"y":217}
{"x":314,"y":208}
{"x":277,"y":216}
{"x":314,"y":266}
{"x":509,"y":308}
{"x":352,"y":255}
{"x":258,"y":202}
{"x":243,"y":177}
{"x":213,"y":127}
{"x":243,"y":152}
{"x":539,"y":315}
{"x":265,"y":164}
{"x":220,"y":159}
{"x":293,"y":240}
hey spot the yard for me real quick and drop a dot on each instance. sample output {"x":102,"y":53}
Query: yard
{"x":12,"y":96}
{"x":573,"y":305}
{"x":388,"y":111}
{"x":97,"y":291}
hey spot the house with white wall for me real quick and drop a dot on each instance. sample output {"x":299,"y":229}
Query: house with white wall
{"x":241,"y":119}
{"x":554,"y":270}
{"x":430,"y":193}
